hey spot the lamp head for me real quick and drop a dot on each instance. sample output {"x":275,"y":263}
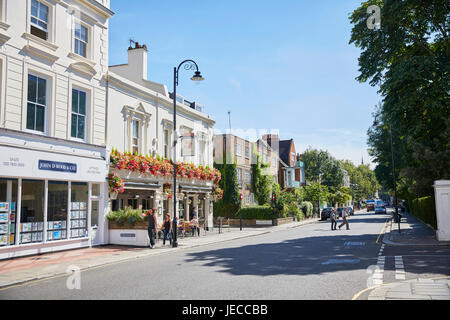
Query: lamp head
{"x":197,"y":76}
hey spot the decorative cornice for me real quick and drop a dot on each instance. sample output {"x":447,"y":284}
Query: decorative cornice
{"x":81,"y":59}
{"x":83,"y":68}
{"x":97,"y":7}
{"x":4,"y":38}
{"x":40,"y":41}
{"x":4,"y":25}
{"x":41,"y":53}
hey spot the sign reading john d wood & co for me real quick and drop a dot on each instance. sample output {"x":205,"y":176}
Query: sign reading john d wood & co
{"x":57,"y":166}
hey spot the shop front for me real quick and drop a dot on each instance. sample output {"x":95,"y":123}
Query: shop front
{"x":52,"y":195}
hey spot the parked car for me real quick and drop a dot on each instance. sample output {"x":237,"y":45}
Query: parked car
{"x":380,"y":209}
{"x":326,"y":213}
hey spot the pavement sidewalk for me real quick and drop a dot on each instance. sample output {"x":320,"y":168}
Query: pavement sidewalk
{"x":413,"y":232}
{"x":31,"y":268}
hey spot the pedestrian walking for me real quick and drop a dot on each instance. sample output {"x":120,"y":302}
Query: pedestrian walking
{"x":344,"y":218}
{"x":195,"y":225}
{"x":333,"y":220}
{"x":152,"y":226}
{"x":167,"y":229}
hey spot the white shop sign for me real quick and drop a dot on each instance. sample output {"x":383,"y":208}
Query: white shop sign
{"x":25,"y":163}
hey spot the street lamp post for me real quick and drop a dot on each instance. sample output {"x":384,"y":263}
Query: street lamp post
{"x":396,"y":215}
{"x":189,"y":65}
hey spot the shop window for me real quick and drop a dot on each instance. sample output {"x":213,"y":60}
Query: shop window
{"x":39,"y":19}
{"x":146,"y":204}
{"x":32,"y":211}
{"x":37,"y":103}
{"x":133,"y":204}
{"x":78,"y":128}
{"x":57,"y":210}
{"x":81,"y":40}
{"x":78,"y":210}
{"x":8,"y":194}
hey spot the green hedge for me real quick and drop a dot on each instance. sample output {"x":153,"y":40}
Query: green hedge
{"x":126,"y":215}
{"x":425,"y":210}
{"x":255,"y":213}
{"x":225,"y":209}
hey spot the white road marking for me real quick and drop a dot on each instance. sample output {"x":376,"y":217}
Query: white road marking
{"x":400,"y":273}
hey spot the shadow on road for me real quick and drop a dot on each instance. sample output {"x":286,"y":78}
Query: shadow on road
{"x":303,"y":256}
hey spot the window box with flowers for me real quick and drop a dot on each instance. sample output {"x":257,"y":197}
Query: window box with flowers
{"x":148,"y":166}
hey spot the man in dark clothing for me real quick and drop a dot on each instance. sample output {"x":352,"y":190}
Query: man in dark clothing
{"x":152,"y":226}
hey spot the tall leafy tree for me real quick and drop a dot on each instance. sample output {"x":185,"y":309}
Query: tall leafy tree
{"x":408,"y":58}
{"x":261,"y":183}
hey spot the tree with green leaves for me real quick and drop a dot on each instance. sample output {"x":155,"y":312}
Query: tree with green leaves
{"x":316,"y":193}
{"x":408,"y":59}
{"x":261,"y":183}
{"x":321,"y":167}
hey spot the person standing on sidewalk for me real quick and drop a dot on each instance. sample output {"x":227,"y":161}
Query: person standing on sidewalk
{"x":195,"y":226}
{"x":333,"y":220}
{"x":167,"y":229}
{"x":152,"y":226}
{"x":344,"y":218}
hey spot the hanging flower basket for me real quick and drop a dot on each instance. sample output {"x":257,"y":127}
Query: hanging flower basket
{"x":115,"y":185}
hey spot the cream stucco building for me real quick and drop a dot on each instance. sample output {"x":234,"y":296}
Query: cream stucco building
{"x":53,"y":155}
{"x":140,"y":121}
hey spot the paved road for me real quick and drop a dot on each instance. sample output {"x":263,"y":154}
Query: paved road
{"x":309,"y":262}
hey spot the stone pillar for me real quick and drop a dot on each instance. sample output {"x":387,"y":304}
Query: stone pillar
{"x":442,"y":198}
{"x":158,"y":204}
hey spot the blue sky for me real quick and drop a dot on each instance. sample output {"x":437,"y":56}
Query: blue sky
{"x":276,"y":65}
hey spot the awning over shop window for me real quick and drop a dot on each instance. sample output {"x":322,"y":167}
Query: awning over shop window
{"x":141,"y":186}
{"x":195,"y":189}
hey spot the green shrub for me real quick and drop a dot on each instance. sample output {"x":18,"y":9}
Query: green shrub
{"x":127,"y":215}
{"x":307,"y":208}
{"x":425,"y":210}
{"x":226,"y":210}
{"x":255,"y":213}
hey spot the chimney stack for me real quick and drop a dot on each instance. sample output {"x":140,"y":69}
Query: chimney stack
{"x":138,"y":60}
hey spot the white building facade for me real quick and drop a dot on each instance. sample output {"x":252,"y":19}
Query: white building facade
{"x":140,"y":121}
{"x":53,"y":154}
